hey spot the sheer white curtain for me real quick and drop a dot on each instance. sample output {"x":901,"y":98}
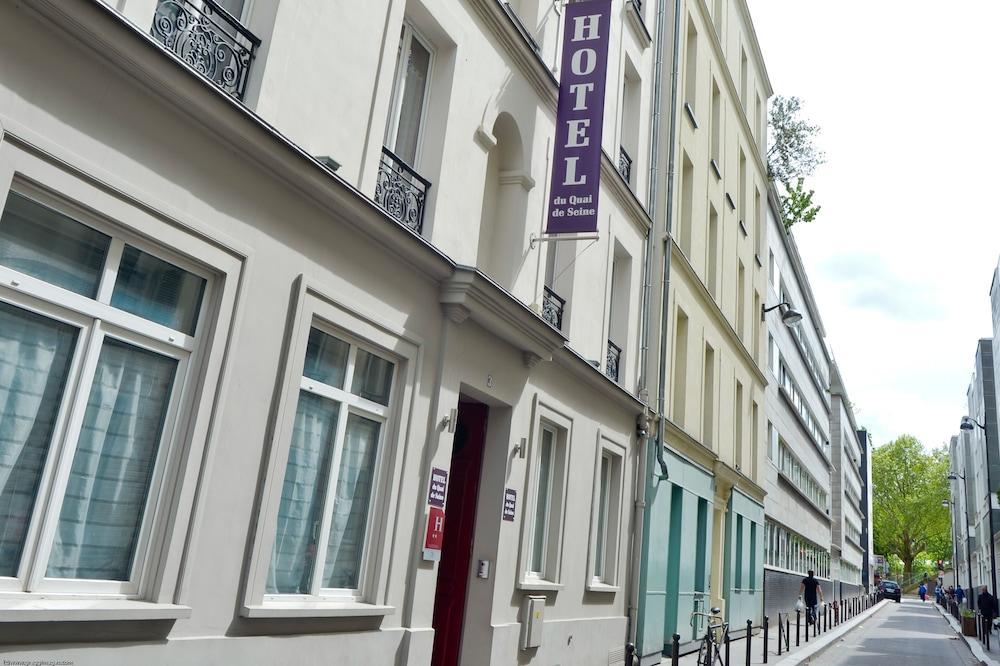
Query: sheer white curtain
{"x":34,"y":360}
{"x":350,"y":505}
{"x":302,"y":495}
{"x":113,"y":465}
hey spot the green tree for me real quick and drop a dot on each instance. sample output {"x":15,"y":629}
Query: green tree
{"x":909,"y":485}
{"x":791,"y":157}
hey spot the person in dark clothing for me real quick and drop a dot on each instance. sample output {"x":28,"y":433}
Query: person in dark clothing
{"x":959,"y":595}
{"x":987,"y":607}
{"x":812,"y":594}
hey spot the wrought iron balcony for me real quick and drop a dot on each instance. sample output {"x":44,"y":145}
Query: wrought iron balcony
{"x":613,"y":361}
{"x":624,"y":165}
{"x":209,"y":39}
{"x":552,"y":308}
{"x":401,"y":191}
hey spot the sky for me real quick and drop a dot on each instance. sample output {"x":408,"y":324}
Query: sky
{"x":901,"y":257}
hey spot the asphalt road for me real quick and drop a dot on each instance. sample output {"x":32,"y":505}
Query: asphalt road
{"x":909,"y":633}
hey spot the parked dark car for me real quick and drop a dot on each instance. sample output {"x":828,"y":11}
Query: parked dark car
{"x":890,"y":590}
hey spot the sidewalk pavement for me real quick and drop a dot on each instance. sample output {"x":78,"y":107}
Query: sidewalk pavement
{"x":991,"y":658}
{"x":796,"y":655}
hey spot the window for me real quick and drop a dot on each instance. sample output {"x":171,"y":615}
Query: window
{"x":691,"y":69}
{"x":738,"y":559}
{"x":713,"y":251}
{"x":548,"y":481}
{"x":326,"y":497}
{"x":738,"y":429}
{"x":409,"y":97}
{"x":741,"y":297}
{"x":606,"y":522}
{"x":680,"y":368}
{"x":708,"y":398}
{"x":97,"y":333}
{"x":687,"y":206}
{"x":716,"y":148}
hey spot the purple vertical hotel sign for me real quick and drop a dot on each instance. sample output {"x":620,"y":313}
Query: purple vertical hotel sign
{"x":576,"y":163}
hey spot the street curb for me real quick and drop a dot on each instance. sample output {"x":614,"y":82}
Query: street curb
{"x":819,"y":645}
{"x":974,"y":647}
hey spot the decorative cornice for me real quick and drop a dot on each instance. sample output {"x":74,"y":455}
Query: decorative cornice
{"x":624,"y":194}
{"x":514,"y":43}
{"x":730,"y":477}
{"x":499,"y":312}
{"x":634,"y":19}
{"x":485,"y":138}
{"x":517,"y":177}
{"x":582,"y":368}
{"x":688,"y":445}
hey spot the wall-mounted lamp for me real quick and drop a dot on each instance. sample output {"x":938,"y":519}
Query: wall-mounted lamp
{"x":521,"y":448}
{"x":969,"y":423}
{"x":789,"y":315}
{"x":450,"y":421}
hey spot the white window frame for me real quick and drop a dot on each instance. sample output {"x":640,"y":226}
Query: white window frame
{"x":408,"y":34}
{"x":351,"y":323}
{"x":546,"y":418}
{"x":606,"y":579}
{"x":37,"y":175}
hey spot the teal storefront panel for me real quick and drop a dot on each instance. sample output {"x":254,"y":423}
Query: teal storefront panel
{"x":676,"y":563}
{"x":744,"y":564}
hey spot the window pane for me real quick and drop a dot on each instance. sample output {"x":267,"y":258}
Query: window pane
{"x":417,"y":63}
{"x":302,"y":495}
{"x":351,"y":503}
{"x":42,"y":243}
{"x":372,"y":377}
{"x":542,"y":503}
{"x":326,"y":359}
{"x":602,"y":517}
{"x":113,"y":466}
{"x":35,"y":357}
{"x":157,"y":290}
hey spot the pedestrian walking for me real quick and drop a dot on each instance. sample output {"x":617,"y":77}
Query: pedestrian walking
{"x":812,"y":593}
{"x":987,"y":608}
{"x":922,"y":591}
{"x":959,"y":594}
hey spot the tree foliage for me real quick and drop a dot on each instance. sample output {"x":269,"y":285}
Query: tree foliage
{"x":791,"y":157}
{"x":797,"y":205}
{"x":909,"y":486}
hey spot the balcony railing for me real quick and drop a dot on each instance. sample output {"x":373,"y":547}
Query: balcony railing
{"x":614,"y":361}
{"x":209,"y":39}
{"x":624,"y":165}
{"x":401,"y":191}
{"x":552,"y":308}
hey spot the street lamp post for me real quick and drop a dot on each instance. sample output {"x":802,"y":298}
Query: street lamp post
{"x":968,"y":423}
{"x":948,"y":504}
{"x":953,"y":476}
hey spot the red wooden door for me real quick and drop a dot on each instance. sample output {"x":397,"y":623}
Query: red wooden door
{"x":459,"y":528}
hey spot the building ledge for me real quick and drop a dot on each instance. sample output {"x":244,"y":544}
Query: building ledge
{"x":88,"y":610}
{"x":279,"y":609}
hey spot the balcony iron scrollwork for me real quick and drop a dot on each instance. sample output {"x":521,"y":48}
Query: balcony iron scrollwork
{"x":552,"y":308}
{"x":209,"y":39}
{"x":613,"y":361}
{"x":401,"y":191}
{"x":625,"y":165}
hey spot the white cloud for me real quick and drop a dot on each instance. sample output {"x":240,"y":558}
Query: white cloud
{"x":902,"y":254}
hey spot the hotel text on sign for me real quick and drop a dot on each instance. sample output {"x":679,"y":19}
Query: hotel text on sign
{"x":576,"y":163}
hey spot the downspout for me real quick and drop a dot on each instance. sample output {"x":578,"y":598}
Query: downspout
{"x":639,"y":505}
{"x":668,"y":228}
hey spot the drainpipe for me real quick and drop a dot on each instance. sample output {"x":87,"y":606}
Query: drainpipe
{"x":638,"y":539}
{"x":668,"y":227}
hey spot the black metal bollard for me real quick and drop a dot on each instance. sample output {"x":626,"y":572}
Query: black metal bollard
{"x":798,"y":615}
{"x":826,"y":619}
{"x":629,"y":654}
{"x":749,"y":635}
{"x":788,"y":634}
{"x":727,"y":646}
{"x":781,"y":626}
{"x":675,"y":650}
{"x":765,"y":639}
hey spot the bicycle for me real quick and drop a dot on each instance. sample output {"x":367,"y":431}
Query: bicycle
{"x":710,"y":652}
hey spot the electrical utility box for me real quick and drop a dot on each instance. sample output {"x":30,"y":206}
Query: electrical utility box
{"x":532,"y":619}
